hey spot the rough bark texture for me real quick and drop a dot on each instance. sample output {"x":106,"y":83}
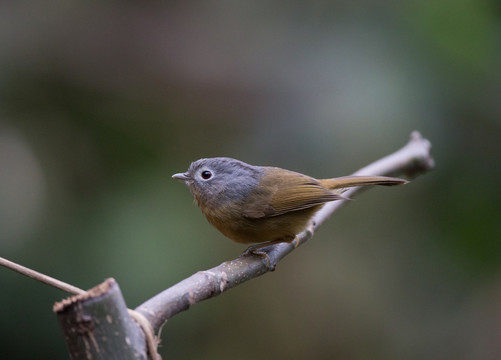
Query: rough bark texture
{"x":97,"y":325}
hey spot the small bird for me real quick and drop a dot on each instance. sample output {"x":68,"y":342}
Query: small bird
{"x":262,"y":204}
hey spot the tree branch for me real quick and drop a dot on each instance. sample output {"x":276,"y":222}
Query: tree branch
{"x":411,"y":160}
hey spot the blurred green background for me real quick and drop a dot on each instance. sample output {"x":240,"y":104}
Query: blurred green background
{"x":100,"y":103}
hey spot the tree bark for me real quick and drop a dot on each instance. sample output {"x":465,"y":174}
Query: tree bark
{"x":97,"y":325}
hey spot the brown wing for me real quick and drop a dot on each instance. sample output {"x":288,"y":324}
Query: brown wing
{"x":281,"y":191}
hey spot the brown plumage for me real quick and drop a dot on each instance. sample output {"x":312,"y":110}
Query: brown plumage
{"x":255,"y":204}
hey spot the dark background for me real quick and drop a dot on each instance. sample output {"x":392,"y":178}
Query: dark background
{"x":101,"y":103}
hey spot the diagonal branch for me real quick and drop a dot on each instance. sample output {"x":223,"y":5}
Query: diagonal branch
{"x":411,"y":160}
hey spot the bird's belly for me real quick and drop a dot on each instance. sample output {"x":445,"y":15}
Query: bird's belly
{"x":249,"y":230}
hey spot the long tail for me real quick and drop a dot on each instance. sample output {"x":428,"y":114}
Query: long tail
{"x":350,"y":181}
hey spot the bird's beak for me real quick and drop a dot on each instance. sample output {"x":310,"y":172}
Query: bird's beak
{"x":181,"y":176}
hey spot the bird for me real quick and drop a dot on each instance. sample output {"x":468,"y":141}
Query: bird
{"x":263,"y":204}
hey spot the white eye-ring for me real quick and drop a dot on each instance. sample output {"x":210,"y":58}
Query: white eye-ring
{"x":206,"y":174}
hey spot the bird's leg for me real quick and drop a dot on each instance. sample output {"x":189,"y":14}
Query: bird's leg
{"x":255,"y":249}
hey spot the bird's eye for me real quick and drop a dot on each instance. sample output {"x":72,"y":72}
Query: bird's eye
{"x":206,"y":174}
